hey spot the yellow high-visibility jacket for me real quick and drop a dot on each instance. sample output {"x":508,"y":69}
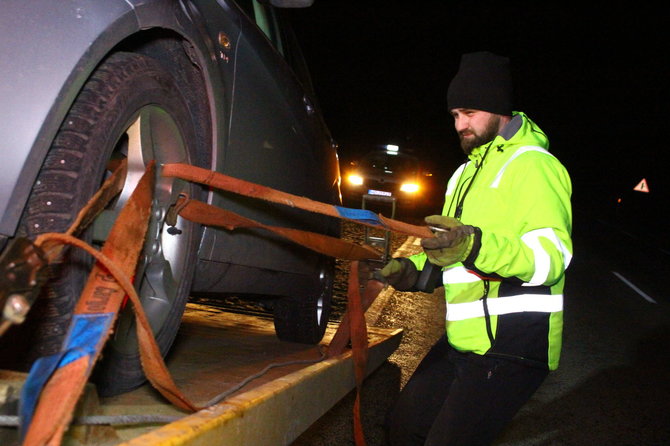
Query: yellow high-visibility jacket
{"x":506,"y":298}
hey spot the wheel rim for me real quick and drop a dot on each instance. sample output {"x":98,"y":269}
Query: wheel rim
{"x":152,"y":135}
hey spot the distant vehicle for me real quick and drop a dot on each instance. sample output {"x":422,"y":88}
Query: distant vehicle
{"x":386,"y":173}
{"x":218,"y":84}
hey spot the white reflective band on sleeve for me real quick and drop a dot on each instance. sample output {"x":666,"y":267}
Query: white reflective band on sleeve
{"x":544,"y":303}
{"x":542,"y":258}
{"x":459,"y":274}
{"x":454,"y":179}
{"x":521,"y":151}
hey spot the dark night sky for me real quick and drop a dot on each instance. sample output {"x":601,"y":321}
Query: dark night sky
{"x":594,"y":78}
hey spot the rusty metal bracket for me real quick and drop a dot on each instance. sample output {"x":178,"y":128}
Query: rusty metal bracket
{"x":23,"y":271}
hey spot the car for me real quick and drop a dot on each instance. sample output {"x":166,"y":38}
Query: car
{"x":218,"y":84}
{"x":385,"y":174}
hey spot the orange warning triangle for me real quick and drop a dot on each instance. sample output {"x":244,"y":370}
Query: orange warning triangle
{"x":642,"y":186}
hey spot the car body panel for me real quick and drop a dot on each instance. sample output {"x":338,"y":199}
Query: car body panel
{"x":272,"y":138}
{"x":269,"y":143}
{"x":45,"y":60}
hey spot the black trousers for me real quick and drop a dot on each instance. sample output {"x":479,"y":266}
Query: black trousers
{"x":460,"y":399}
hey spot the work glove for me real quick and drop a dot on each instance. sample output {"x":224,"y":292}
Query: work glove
{"x":452,"y":243}
{"x":400,"y":273}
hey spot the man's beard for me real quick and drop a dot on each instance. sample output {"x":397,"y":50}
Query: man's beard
{"x":490,"y":132}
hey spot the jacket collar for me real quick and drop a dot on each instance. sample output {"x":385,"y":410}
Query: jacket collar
{"x":519,"y":131}
{"x":511,"y":128}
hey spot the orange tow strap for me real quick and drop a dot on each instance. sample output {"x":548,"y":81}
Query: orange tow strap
{"x":108,"y":284}
{"x":353,"y":327}
{"x":102,"y":296}
{"x":224,"y":182}
{"x":209,"y":215}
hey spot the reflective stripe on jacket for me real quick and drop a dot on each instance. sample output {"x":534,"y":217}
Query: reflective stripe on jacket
{"x":506,"y":298}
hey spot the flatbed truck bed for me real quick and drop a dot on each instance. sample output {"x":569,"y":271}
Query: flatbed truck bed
{"x":214,"y":351}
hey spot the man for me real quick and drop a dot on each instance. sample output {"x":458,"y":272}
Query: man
{"x":503,"y":245}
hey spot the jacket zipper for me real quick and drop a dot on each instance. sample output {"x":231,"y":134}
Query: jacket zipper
{"x":487,"y":316}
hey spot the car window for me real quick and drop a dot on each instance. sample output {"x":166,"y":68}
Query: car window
{"x":275,"y":24}
{"x":295,"y":57}
{"x":265,"y":18}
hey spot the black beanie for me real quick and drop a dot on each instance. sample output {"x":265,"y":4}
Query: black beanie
{"x":483,"y":82}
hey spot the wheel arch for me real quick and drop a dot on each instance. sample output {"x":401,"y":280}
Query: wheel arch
{"x":181,"y":58}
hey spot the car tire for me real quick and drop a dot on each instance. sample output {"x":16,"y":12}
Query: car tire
{"x":134,"y":108}
{"x":304,"y":318}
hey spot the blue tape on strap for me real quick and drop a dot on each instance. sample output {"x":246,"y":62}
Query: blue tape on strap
{"x":40,"y":372}
{"x":86,"y":331}
{"x":85,"y":334}
{"x":362,"y":215}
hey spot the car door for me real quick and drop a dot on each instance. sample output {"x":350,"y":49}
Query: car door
{"x":271,"y":139}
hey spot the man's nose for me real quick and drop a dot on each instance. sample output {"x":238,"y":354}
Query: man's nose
{"x":460,"y":124}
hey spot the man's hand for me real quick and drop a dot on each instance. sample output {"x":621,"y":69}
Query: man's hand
{"x":452,"y":242}
{"x":400,"y":273}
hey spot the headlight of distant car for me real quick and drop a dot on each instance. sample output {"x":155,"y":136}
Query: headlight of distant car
{"x":409,"y":188}
{"x":355,"y":179}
